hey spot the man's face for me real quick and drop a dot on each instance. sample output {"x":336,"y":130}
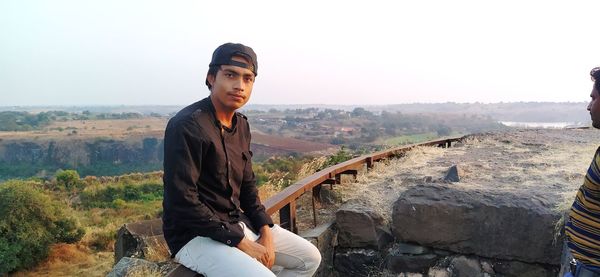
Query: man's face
{"x":231,"y":86}
{"x":594,"y":108}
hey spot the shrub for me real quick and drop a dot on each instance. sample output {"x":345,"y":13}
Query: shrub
{"x":31,"y":221}
{"x":115,"y":195}
{"x":67,"y":179}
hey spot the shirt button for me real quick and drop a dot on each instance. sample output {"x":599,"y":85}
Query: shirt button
{"x":228,"y":241}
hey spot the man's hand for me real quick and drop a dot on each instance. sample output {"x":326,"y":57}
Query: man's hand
{"x":253,"y":249}
{"x":266,"y":240}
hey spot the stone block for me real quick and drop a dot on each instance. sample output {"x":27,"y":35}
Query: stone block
{"x":137,"y":239}
{"x":360,"y":226}
{"x":357,"y":262}
{"x":487,"y":223}
{"x":398,"y":262}
{"x":520,"y":269}
{"x":128,"y":265}
{"x":465,"y":267}
{"x":323,"y":237}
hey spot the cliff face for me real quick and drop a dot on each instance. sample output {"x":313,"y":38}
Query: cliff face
{"x":20,"y":158}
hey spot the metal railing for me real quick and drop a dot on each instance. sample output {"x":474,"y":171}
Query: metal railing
{"x":285,"y":200}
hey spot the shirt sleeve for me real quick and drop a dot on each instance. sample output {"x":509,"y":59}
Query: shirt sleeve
{"x":249,"y":198}
{"x":182,"y":168}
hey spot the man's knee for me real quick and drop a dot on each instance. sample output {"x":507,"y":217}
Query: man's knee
{"x":313,"y":257}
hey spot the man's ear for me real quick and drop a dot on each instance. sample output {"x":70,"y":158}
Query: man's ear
{"x":211,"y":79}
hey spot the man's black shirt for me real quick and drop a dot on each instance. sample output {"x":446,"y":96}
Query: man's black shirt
{"x":209,"y":185}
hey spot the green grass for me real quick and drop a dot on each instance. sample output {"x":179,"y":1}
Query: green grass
{"x":408,"y":139}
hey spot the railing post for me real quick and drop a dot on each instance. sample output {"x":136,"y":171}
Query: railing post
{"x":287,"y":217}
{"x":316,"y":202}
{"x":369,"y":162}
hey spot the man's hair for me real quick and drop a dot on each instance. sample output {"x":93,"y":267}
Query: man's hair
{"x":212,"y":70}
{"x":595,"y":74}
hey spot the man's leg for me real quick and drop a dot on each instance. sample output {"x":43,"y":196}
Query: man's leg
{"x":296,"y":255}
{"x":213,"y":259}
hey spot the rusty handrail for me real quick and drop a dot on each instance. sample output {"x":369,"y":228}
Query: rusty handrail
{"x":285,"y":200}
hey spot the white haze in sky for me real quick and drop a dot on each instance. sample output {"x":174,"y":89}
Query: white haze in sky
{"x":310,"y":52}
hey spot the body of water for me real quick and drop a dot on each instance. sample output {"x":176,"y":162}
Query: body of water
{"x":554,"y":125}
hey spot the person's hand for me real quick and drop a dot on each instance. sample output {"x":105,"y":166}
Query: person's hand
{"x":266,"y":240}
{"x":253,"y":249}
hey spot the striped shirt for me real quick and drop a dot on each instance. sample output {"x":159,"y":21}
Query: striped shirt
{"x":583,"y":227}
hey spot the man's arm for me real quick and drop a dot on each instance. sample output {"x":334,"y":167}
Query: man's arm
{"x":249,"y":199}
{"x":252,"y":207}
{"x":182,"y":169}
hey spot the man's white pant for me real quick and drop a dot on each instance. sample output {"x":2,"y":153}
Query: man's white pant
{"x":294,"y":256}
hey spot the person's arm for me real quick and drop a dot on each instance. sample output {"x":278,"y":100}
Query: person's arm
{"x":266,"y":240}
{"x":182,"y":168}
{"x":249,"y":199}
{"x":252,"y":207}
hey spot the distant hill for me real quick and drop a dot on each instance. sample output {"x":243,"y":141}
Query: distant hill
{"x":510,"y":111}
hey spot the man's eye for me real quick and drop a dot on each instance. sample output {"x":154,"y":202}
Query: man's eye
{"x":249,"y":79}
{"x":228,"y":75}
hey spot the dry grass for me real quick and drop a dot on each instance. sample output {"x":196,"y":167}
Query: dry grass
{"x":549,"y":162}
{"x":156,"y":251}
{"x":72,"y":260}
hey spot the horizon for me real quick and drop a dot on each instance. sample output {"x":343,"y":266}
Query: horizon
{"x":307,"y":105}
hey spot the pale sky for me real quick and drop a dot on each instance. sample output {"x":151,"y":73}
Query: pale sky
{"x":109,"y":52}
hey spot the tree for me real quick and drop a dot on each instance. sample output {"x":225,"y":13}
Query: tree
{"x":31,"y":221}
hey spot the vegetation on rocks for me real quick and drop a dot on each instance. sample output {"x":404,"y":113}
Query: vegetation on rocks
{"x":31,"y":222}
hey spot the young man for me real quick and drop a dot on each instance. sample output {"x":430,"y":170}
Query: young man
{"x":583,"y":227}
{"x":213,"y":220}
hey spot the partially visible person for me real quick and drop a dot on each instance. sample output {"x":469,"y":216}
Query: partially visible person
{"x":583,"y":226}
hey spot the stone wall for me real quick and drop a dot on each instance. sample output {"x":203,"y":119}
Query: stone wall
{"x":443,"y":230}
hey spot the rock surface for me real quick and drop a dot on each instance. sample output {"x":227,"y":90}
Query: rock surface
{"x":477,"y":221}
{"x":357,"y":262}
{"x":360,"y":226}
{"x":453,"y":174}
{"x":129,"y":265}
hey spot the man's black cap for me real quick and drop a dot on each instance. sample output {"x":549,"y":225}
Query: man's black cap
{"x":223,"y":54}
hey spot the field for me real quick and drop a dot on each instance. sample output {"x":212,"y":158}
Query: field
{"x":88,"y":129}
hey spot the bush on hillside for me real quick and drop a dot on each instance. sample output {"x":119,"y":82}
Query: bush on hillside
{"x":31,"y":221}
{"x":115,"y":195}
{"x":67,"y":179}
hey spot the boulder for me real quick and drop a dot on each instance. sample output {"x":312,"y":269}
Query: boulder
{"x":519,"y":269}
{"x":465,"y":267}
{"x":140,"y":240}
{"x":453,"y":174}
{"x":128,"y":266}
{"x":357,"y":262}
{"x":480,"y":222}
{"x":360,"y":226}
